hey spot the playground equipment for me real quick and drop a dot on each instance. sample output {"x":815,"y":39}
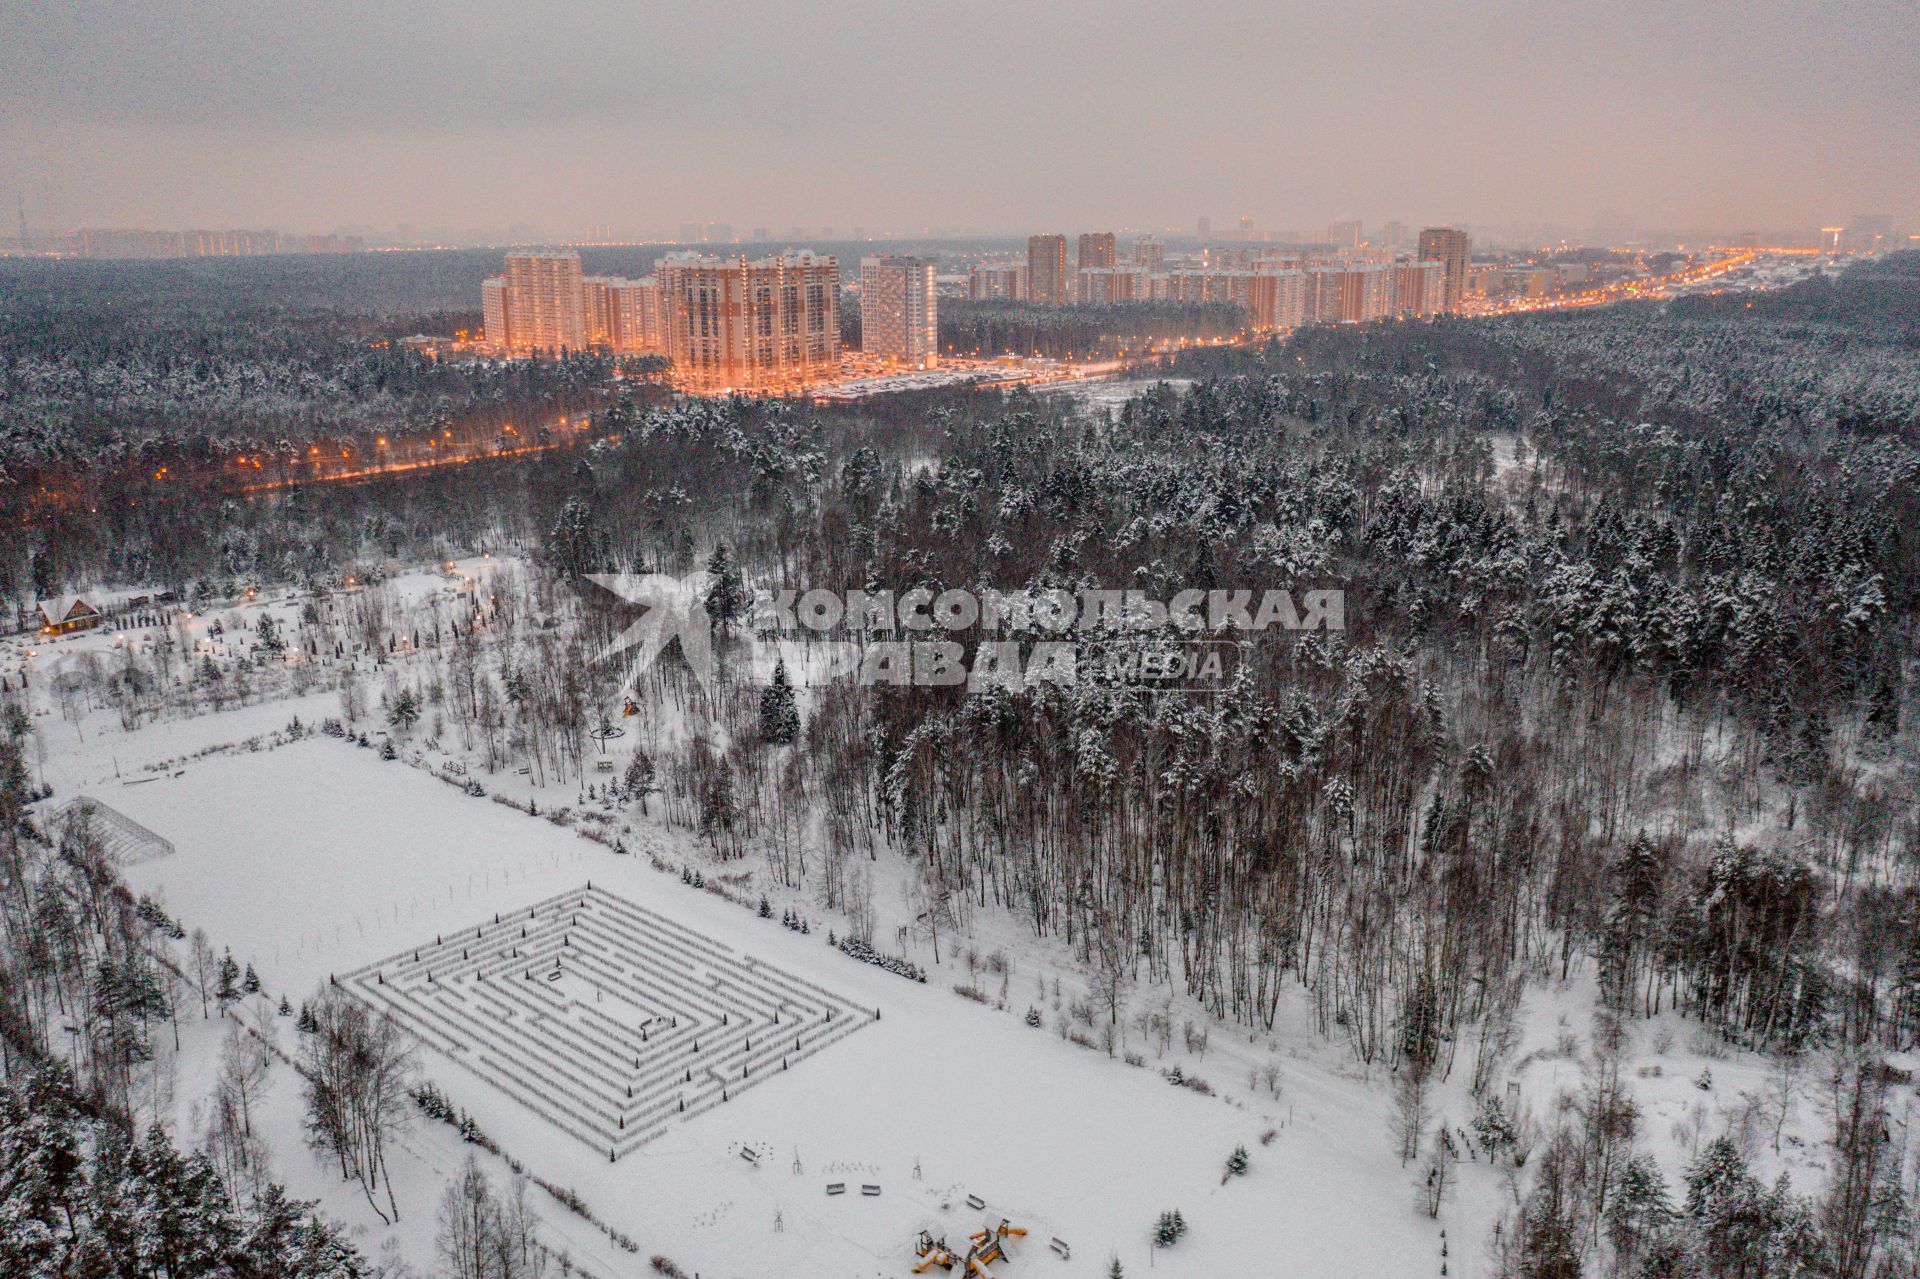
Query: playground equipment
{"x":984,"y":1248}
{"x":932,"y":1252}
{"x":991,"y":1242}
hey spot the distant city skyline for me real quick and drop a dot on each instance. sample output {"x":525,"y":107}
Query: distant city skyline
{"x":337,"y":115}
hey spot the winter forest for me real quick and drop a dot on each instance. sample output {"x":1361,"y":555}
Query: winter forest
{"x":1606,"y":795}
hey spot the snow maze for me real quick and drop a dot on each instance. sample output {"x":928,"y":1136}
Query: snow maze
{"x":606,"y":1019}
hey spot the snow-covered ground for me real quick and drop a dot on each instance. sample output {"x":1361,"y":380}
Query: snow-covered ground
{"x":1106,"y":393}
{"x":313,"y":858}
{"x":316,"y":857}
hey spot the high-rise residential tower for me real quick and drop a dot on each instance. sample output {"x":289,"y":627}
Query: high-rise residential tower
{"x":1451,"y":247}
{"x":992,"y":280}
{"x":899,"y":317}
{"x":546,"y":302}
{"x":766,"y":325}
{"x":1096,"y":253}
{"x":623,"y":315}
{"x":1047,"y":270}
{"x":1096,"y":250}
{"x":497,"y":310}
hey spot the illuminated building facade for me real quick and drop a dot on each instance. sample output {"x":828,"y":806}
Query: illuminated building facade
{"x":1095,"y":253}
{"x":623,"y":315}
{"x":1351,"y":294}
{"x":997,"y":280}
{"x":1103,"y":285}
{"x":496,"y":313}
{"x":1047,"y":282}
{"x":899,"y":316}
{"x":1419,"y":288}
{"x":766,"y":325}
{"x":545,"y":303}
{"x":1453,"y":250}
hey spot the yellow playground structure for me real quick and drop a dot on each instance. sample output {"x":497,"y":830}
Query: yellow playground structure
{"x":984,"y":1248}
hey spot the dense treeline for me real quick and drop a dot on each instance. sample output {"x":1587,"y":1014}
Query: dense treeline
{"x":115,"y":387}
{"x":84,"y":1196}
{"x":93,"y":983}
{"x":1082,"y":331}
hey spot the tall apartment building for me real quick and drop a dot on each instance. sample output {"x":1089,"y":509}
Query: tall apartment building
{"x":1207,"y":284}
{"x":497,"y":313}
{"x":1419,"y":288}
{"x":1356,"y":293}
{"x":997,"y":280}
{"x":1451,"y":248}
{"x":597,"y":297}
{"x":899,"y":317}
{"x":1047,"y":282}
{"x":1095,"y":252}
{"x":1106,"y":284}
{"x":1148,"y":253}
{"x":1280,"y":298}
{"x":636,"y":315}
{"x":623,"y":315}
{"x":766,"y":325}
{"x":546,"y":303}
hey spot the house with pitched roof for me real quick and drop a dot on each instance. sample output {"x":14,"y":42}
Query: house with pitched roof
{"x":65,"y":614}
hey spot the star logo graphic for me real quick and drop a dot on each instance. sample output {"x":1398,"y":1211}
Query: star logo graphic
{"x":675,"y":609}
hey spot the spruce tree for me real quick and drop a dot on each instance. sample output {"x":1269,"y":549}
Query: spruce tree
{"x":228,"y":988}
{"x":779,"y":714}
{"x":726,"y":599}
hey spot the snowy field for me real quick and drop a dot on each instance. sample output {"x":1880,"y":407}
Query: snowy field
{"x":315,"y":859}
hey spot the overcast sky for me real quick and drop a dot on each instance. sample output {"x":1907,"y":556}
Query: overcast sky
{"x":999,"y":114}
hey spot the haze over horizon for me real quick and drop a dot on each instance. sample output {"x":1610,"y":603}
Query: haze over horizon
{"x":1772,"y":114}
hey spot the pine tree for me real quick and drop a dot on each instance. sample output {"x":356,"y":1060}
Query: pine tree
{"x":228,"y":988}
{"x":575,"y":544}
{"x":404,"y":711}
{"x":1639,"y":1208}
{"x":1492,"y":1130}
{"x":638,"y":783}
{"x":250,"y":985}
{"x":779,"y":713}
{"x":726,"y":599}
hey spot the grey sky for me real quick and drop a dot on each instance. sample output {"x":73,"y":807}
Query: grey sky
{"x":993,"y":113}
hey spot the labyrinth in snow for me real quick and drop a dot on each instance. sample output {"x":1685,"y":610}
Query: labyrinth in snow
{"x":606,"y":1019}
